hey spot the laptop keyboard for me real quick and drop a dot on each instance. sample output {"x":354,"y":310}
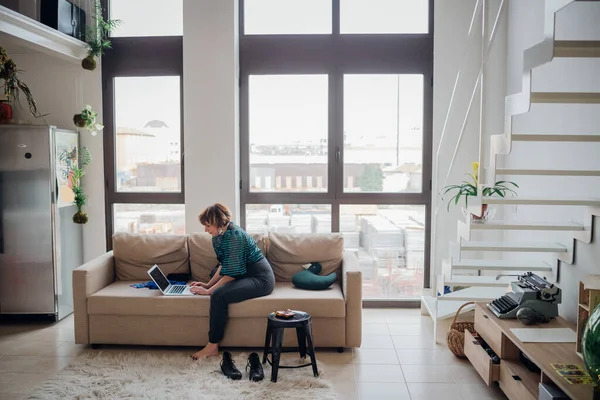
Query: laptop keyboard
{"x":177,"y":289}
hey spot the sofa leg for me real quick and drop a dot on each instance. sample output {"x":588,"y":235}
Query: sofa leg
{"x":340,"y":349}
{"x":96,"y":346}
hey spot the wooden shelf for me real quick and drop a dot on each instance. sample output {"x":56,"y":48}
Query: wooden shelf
{"x":589,"y":298}
{"x":22,"y":34}
{"x":541,"y":354}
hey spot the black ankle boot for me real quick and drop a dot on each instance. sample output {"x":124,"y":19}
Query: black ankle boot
{"x":228,"y":367}
{"x":256,"y":370}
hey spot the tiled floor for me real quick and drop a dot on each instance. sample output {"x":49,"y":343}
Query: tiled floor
{"x":397,"y":360}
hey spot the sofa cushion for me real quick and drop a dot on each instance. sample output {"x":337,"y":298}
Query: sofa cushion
{"x":120,"y":299}
{"x":287,"y":253}
{"x":135,"y":254}
{"x":202,"y":254}
{"x":310,"y":279}
{"x":324,"y":303}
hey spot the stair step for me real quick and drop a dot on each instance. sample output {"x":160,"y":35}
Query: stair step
{"x":512,"y":200}
{"x":446,"y":309}
{"x":538,"y":247}
{"x":475,"y":293}
{"x":548,"y":172}
{"x":577,"y":48}
{"x":474,"y":280}
{"x":526,"y":226}
{"x":500,"y":265}
{"x":565,"y":97}
{"x":555,"y":138}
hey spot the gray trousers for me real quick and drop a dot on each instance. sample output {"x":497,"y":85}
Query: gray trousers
{"x":259,"y":281}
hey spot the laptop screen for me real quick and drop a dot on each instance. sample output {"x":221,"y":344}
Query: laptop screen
{"x":159,"y":278}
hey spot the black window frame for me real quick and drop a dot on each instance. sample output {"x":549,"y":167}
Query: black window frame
{"x":337,"y":54}
{"x":136,"y":57}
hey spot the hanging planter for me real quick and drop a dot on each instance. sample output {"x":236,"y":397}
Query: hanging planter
{"x":13,"y":86}
{"x":96,"y":36}
{"x":87,"y":119}
{"x":73,"y":172}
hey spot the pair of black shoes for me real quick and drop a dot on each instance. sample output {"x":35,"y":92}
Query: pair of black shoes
{"x":229,"y":369}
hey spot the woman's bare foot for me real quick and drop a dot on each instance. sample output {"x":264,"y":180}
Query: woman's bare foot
{"x":211,"y":350}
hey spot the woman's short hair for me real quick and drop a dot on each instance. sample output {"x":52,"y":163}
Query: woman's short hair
{"x":215,"y":215}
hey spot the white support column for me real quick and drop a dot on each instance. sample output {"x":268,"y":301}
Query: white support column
{"x":211,"y":105}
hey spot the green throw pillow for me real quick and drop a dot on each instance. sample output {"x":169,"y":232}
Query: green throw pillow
{"x":311,"y":280}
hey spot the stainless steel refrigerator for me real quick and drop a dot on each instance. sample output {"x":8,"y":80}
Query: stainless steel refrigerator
{"x":40,"y":245}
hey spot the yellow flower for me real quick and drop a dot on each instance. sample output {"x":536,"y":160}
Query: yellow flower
{"x":475,"y":174}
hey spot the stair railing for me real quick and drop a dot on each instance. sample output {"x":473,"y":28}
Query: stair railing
{"x":480,"y":11}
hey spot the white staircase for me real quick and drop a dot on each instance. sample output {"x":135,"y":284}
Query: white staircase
{"x":472,"y":268}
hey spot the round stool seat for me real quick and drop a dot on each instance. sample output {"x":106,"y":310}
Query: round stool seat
{"x":301,"y":322}
{"x":300,"y":318}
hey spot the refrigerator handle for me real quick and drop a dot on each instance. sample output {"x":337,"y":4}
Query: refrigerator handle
{"x":1,"y":236}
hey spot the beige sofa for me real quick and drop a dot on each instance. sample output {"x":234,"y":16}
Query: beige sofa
{"x":109,"y":311}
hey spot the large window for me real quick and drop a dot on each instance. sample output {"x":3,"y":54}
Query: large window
{"x":278,"y":17}
{"x":143,"y":119}
{"x":336,"y":130}
{"x":288,"y":130}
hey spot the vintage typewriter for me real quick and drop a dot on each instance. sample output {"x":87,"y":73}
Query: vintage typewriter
{"x":530,"y":291}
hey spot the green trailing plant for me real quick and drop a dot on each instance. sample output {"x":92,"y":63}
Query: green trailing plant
{"x":97,"y":36}
{"x":470,"y":188}
{"x":13,"y":86}
{"x":74,"y":171}
{"x":87,"y":119}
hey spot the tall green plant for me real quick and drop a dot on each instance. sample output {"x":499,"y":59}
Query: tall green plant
{"x":75,"y":164}
{"x":467,"y":189}
{"x":96,"y":36}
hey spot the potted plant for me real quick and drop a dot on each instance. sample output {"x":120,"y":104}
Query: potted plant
{"x":73,"y":172}
{"x":96,"y":36}
{"x":470,"y":188}
{"x":13,"y":86}
{"x":87,"y":119}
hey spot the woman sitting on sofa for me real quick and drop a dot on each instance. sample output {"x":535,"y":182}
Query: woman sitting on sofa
{"x":244,"y":273}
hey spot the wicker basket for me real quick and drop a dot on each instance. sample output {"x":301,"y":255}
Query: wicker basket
{"x":456,"y":334}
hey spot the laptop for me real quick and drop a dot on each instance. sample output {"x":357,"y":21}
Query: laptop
{"x":165,"y":286}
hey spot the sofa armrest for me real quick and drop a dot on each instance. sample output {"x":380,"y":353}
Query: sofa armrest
{"x":352,"y":290}
{"x":88,"y":279}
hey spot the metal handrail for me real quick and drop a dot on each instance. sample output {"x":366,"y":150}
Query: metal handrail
{"x":466,"y":52}
{"x":463,"y":127}
{"x":477,"y":82}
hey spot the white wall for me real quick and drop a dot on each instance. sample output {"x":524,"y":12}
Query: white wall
{"x":211,"y":121}
{"x":61,"y":89}
{"x":451,"y":24}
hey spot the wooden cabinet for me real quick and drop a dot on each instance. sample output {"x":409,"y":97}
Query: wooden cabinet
{"x":522,"y":365}
{"x":589,"y":298}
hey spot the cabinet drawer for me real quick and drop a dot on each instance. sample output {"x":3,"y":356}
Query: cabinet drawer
{"x":513,"y":385}
{"x":481,"y":361}
{"x":489,"y":331}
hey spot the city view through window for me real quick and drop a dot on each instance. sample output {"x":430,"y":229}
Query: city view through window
{"x":382,"y":153}
{"x":288,"y":136}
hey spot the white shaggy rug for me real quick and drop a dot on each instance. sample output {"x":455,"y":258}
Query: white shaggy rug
{"x":176,"y":376}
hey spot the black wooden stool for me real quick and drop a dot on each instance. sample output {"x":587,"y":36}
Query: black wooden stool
{"x":275,"y":329}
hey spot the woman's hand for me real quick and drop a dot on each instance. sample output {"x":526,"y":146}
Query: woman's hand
{"x":200,"y":291}
{"x":199,"y":284}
